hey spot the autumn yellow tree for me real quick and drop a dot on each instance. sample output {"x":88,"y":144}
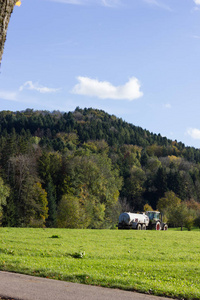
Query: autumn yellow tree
{"x":147,"y":207}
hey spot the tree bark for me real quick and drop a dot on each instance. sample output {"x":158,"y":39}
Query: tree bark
{"x":6,"y":9}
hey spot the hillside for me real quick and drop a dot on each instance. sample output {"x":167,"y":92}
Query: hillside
{"x":89,"y":165}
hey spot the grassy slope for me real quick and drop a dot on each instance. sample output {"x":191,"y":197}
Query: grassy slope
{"x":161,"y":263}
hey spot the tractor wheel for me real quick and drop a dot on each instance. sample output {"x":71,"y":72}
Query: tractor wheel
{"x":158,"y":226}
{"x":143,"y":227}
{"x":165,"y":227}
{"x":139,"y":227}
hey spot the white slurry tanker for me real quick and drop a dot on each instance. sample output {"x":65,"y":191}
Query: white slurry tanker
{"x":141,"y":221}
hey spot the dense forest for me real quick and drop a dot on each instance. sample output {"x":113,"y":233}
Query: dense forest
{"x":82,"y":168}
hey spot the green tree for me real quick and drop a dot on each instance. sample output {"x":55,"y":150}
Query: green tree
{"x":170,"y":200}
{"x":28,"y":197}
{"x":95,"y":183}
{"x":50,"y":169}
{"x":40,"y":208}
{"x":69,"y":212}
{"x":160,"y":182}
{"x":10,"y":212}
{"x":51,"y":197}
{"x":134,"y":187}
{"x":194,"y":212}
{"x":178,"y":216}
{"x":144,"y":159}
{"x":167,"y":206}
{"x":153,"y":164}
{"x":178,"y":213}
{"x":4,"y":193}
{"x":190,"y":220}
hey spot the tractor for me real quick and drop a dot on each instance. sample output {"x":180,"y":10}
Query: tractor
{"x":142,"y":221}
{"x":155,"y":220}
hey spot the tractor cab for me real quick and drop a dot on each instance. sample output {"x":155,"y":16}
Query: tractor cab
{"x":155,"y":221}
{"x":153,"y":215}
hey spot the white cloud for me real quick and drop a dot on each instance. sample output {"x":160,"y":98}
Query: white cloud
{"x":197,"y":2}
{"x":158,"y":4}
{"x":194,"y":133}
{"x":105,"y":90}
{"x":197,"y":7}
{"x":29,"y":85}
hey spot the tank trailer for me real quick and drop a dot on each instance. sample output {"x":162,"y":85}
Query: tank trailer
{"x":142,"y":221}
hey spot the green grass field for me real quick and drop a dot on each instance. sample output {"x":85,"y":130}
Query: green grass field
{"x":162,"y":263}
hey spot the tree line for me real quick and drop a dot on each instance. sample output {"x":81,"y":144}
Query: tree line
{"x":82,"y":168}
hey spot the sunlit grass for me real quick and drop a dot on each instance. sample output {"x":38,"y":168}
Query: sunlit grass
{"x":161,"y":263}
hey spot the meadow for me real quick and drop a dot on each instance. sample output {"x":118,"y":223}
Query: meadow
{"x":161,"y":263}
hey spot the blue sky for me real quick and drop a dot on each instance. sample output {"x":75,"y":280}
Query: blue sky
{"x":136,"y":59}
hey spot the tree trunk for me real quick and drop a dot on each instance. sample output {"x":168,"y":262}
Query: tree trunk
{"x":6,"y":9}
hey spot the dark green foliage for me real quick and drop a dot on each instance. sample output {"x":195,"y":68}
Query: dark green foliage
{"x":51,"y":197}
{"x":160,"y":182}
{"x":93,"y":157}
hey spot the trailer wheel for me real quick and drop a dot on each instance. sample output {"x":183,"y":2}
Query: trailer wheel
{"x":143,"y":227}
{"x":165,"y":227}
{"x":139,"y":227}
{"x":158,"y":226}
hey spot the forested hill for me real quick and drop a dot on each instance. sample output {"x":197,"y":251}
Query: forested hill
{"x":86,"y":164}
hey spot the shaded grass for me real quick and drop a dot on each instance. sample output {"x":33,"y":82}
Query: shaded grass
{"x":160,"y":263}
